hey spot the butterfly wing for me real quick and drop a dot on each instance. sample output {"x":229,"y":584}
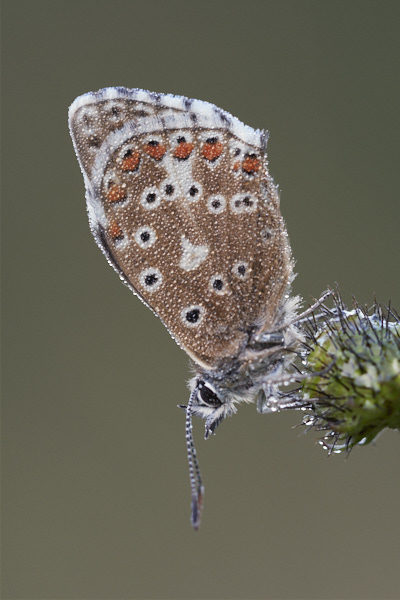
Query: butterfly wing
{"x":181,"y":202}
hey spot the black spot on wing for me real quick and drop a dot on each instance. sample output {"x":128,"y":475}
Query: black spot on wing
{"x":100,"y":235}
{"x":224,"y":117}
{"x":101,"y":239}
{"x":156,"y":98}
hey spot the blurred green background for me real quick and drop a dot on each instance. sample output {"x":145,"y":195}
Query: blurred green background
{"x":95,"y":482}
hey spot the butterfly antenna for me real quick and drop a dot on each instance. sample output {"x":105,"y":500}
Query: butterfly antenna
{"x":194,"y":470}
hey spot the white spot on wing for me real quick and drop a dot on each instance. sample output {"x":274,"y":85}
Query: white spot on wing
{"x":192,"y":256}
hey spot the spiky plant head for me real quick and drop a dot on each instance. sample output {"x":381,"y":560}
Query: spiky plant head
{"x":352,"y":391}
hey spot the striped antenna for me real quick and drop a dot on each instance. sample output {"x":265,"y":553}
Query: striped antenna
{"x":194,"y":470}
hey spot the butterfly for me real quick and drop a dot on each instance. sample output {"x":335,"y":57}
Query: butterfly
{"x":181,"y":203}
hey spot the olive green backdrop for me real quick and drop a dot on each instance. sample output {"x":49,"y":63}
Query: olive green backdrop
{"x":95,"y":482}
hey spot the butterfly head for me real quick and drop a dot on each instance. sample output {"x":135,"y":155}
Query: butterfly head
{"x":211,"y":403}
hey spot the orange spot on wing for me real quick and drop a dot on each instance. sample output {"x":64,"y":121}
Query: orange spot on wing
{"x":183,"y":150}
{"x":116,"y":193}
{"x":236,"y":166}
{"x":131,"y":162}
{"x":115,"y":230}
{"x":211,"y":151}
{"x":251,"y":164}
{"x":156,"y":151}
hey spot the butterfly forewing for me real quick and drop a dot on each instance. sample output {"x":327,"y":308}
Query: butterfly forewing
{"x":181,"y":202}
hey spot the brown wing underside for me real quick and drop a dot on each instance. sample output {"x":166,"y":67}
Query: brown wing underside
{"x":192,"y":221}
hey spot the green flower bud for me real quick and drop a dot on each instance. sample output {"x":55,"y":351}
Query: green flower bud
{"x":353,"y":392}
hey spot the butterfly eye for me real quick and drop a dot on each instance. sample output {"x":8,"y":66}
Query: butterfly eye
{"x":207,"y":395}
